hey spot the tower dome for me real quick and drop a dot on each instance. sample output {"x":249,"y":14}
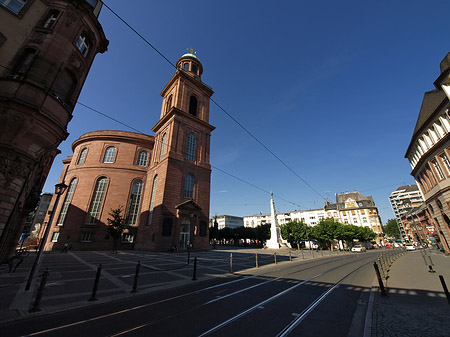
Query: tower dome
{"x":190,"y":64}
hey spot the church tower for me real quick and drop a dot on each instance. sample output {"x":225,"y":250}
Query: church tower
{"x":178,"y":182}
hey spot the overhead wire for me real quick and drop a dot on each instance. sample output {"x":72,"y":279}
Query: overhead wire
{"x":157,"y":141}
{"x":218,"y":105}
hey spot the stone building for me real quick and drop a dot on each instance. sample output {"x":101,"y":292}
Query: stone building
{"x":350,"y":208}
{"x":161,"y":181}
{"x":46,"y":51}
{"x":429,"y":153}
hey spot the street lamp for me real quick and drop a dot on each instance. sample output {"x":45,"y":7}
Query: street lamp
{"x":59,"y":190}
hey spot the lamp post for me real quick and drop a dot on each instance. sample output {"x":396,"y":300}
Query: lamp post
{"x":59,"y":190}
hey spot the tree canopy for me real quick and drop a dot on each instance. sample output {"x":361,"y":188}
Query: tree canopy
{"x":116,"y":225}
{"x":391,"y":228}
{"x":325,"y":232}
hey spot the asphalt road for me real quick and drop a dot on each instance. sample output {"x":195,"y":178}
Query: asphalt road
{"x":319,"y":297}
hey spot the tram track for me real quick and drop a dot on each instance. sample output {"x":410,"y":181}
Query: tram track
{"x":285,"y":270}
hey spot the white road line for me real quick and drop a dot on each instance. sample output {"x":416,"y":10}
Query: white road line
{"x":217,"y":327}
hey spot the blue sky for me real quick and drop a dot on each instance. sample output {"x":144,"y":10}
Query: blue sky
{"x":332,"y":88}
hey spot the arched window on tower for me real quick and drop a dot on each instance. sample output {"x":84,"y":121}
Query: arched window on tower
{"x":163,"y":146}
{"x":190,"y":148}
{"x":169,"y":103}
{"x":189,"y":186}
{"x":152,"y":200}
{"x":134,"y":203}
{"x":193,"y":106}
{"x":97,"y":201}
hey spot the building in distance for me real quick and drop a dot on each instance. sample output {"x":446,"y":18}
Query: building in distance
{"x":229,"y":221}
{"x":403,"y":200}
{"x":350,"y":208}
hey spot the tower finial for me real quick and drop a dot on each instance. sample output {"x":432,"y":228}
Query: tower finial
{"x":191,"y":51}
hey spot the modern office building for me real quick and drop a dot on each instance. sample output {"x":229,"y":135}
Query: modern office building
{"x":46,"y":51}
{"x":403,"y":200}
{"x":229,"y":221}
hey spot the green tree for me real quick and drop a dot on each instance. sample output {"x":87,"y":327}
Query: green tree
{"x":326,"y":231}
{"x":365,"y":234}
{"x":226,"y":233}
{"x":262,"y":232}
{"x":295,"y":231}
{"x":391,"y":228}
{"x":116,"y":225}
{"x":347,"y":233}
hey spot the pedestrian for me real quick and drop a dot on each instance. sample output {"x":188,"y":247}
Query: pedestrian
{"x":65,"y":247}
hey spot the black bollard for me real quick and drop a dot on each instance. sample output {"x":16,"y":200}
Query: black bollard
{"x":380,"y":281}
{"x":381,"y":267}
{"x":303,"y":257}
{"x":189,"y":255}
{"x":445,"y":288}
{"x":37,"y":301}
{"x":256,"y":260}
{"x":194,"y":276}
{"x":275,"y":257}
{"x":231,"y":263}
{"x":97,"y":279}
{"x":138,"y":266}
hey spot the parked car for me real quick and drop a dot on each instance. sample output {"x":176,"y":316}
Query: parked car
{"x":359,"y":248}
{"x":410,"y":246}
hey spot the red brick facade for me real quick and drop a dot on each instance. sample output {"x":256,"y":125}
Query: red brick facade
{"x":175,"y":212}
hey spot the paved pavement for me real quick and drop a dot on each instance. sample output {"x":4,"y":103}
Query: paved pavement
{"x":415,"y":304}
{"x":71,"y":275}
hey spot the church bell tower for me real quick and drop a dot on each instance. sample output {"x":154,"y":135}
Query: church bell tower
{"x":180,"y":174}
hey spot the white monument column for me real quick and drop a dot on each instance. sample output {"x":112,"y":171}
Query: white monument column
{"x":275,"y":241}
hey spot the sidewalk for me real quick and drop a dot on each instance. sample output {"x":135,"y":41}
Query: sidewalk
{"x":416,"y":304}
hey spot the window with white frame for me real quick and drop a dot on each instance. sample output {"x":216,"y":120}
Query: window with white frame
{"x":67,"y":201}
{"x":86,"y":237}
{"x":82,"y":156}
{"x":13,"y":5}
{"x":438,"y":169}
{"x":55,"y":236}
{"x":134,"y":202}
{"x":190,"y":149}
{"x":83,"y":44}
{"x":51,"y":19}
{"x":189,"y":186}
{"x":446,"y":162}
{"x":142,"y":158}
{"x":110,"y":153}
{"x":97,"y":200}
